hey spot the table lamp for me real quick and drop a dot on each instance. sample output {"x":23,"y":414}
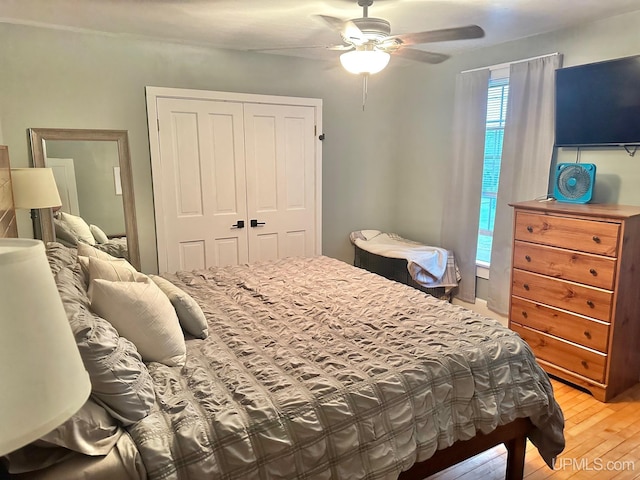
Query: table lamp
{"x":35,"y":188}
{"x":43,"y":379}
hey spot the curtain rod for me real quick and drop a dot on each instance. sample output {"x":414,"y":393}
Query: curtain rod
{"x":505,"y":65}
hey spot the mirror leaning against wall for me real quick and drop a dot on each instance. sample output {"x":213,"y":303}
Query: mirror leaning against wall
{"x":92,"y":169}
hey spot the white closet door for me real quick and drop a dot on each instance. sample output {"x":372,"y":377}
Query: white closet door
{"x":280,"y":157}
{"x":201,"y":184}
{"x":64,"y":173}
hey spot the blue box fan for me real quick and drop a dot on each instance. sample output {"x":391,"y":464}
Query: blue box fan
{"x":574,"y":182}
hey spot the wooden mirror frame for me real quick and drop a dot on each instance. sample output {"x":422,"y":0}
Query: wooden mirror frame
{"x":38,"y":136}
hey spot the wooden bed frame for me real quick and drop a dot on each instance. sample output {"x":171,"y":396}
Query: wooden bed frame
{"x":512,"y":435}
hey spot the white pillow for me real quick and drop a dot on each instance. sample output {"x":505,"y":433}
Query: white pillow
{"x":85,"y":252}
{"x":115,"y":271}
{"x":142,"y":314}
{"x":98,"y":234}
{"x":79,"y":227}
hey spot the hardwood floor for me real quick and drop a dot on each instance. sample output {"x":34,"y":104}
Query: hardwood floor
{"x":602,"y":443}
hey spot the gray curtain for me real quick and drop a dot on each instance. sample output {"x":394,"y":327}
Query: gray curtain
{"x":526,"y":159}
{"x":461,"y":213}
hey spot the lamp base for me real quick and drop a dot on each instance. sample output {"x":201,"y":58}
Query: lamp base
{"x":35,"y":220}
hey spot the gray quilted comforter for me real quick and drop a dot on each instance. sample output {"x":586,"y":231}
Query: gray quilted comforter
{"x":316,"y":369}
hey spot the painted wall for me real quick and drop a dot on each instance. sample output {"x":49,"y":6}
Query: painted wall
{"x":75,"y":80}
{"x":426,"y":139}
{"x":384,"y":168}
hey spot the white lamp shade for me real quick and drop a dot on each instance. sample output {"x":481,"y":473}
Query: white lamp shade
{"x":42,"y":377}
{"x":34,"y":188}
{"x":364,"y":61}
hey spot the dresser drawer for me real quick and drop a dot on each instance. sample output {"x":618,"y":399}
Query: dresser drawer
{"x":567,"y":355}
{"x":559,"y":323}
{"x":589,"y":301}
{"x":573,"y":233}
{"x":594,"y":270}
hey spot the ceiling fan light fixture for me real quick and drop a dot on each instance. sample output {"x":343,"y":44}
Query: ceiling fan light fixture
{"x":364,"y":61}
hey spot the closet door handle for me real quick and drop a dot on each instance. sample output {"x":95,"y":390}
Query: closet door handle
{"x":238,"y":224}
{"x":255,"y":223}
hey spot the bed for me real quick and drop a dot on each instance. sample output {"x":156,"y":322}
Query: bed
{"x":303,"y":368}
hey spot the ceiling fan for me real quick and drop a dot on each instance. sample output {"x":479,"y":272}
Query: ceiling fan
{"x":368,"y":43}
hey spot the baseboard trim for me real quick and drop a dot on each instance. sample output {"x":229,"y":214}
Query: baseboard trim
{"x":481,"y":307}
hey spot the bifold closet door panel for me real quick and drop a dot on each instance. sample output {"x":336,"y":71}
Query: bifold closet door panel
{"x":280,"y":160}
{"x":202,"y":184}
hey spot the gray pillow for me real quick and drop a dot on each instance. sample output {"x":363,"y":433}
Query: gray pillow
{"x":120,"y":380}
{"x":190,"y":315}
{"x":90,"y":431}
{"x":64,"y":234}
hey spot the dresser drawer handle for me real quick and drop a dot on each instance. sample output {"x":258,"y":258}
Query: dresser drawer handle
{"x":593,"y":272}
{"x":525,"y":314}
{"x":596,"y":239}
{"x":526,"y":286}
{"x":529,"y":229}
{"x":587,"y":334}
{"x":527,"y":258}
{"x":591,"y":304}
{"x":585,"y":364}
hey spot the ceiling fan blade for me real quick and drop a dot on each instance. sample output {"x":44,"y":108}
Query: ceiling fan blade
{"x":333,"y":22}
{"x":444,"y":35}
{"x":341,"y":48}
{"x":299,"y":47}
{"x":421,"y":55}
{"x":347,"y":29}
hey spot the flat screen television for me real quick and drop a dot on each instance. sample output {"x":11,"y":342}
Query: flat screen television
{"x":598,"y":104}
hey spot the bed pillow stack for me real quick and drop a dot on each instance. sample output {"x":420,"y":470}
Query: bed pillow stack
{"x":120,"y":380}
{"x":122,"y":390}
{"x":134,"y":305}
{"x":141,"y":312}
{"x":72,"y":229}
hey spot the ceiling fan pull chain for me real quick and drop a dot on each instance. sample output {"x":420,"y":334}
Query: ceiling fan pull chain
{"x":365,"y":86}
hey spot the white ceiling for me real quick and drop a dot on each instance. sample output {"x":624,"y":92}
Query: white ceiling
{"x":259,"y":24}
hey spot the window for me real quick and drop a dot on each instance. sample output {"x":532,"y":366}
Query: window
{"x":497,"y":97}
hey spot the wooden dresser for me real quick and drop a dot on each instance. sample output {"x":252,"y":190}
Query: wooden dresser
{"x":575,"y":291}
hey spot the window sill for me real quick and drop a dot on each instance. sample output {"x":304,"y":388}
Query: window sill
{"x":482,"y":270}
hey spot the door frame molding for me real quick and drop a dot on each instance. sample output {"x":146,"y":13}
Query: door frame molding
{"x":155,"y":93}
